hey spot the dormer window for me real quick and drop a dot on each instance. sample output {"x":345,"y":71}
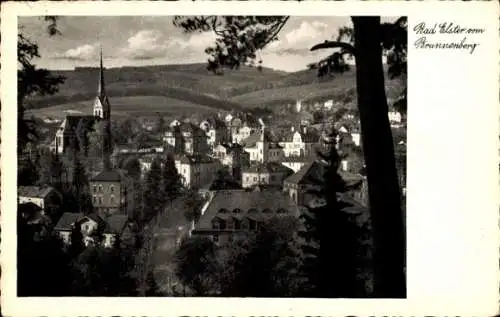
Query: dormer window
{"x":217,"y":224}
{"x":281,"y":211}
{"x":267,"y":211}
{"x":223,"y":211}
{"x":111,"y":188}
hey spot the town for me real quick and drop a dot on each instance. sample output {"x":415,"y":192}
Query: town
{"x":150,"y":185}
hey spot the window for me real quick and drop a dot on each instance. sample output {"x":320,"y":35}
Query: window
{"x":230,"y":224}
{"x":111,"y":188}
{"x":255,"y":178}
{"x":94,"y":199}
{"x":100,"y":188}
{"x":100,"y":200}
{"x":112,"y":199}
{"x":281,"y":211}
{"x":94,"y":189}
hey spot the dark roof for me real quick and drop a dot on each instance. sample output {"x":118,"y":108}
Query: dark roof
{"x":34,"y":191}
{"x":193,"y":159}
{"x":299,"y":159}
{"x":188,"y":127}
{"x":67,"y":220}
{"x":269,"y":167}
{"x":215,"y":122}
{"x":29,"y":208}
{"x":310,"y":136}
{"x":115,"y":223}
{"x":255,"y":137}
{"x":76,"y":123}
{"x":116,"y":175}
{"x":251,"y":204}
{"x":308,"y":174}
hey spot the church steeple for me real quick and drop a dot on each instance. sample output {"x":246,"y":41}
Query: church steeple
{"x":102,"y":108}
{"x":101,"y":91}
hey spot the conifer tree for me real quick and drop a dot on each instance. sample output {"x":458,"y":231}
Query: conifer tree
{"x":172,"y":184}
{"x":329,"y":241}
{"x":153,"y":197}
{"x":80,"y":186}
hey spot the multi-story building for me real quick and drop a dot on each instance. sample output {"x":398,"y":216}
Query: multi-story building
{"x":231,"y":214}
{"x":300,"y":142}
{"x":216,"y":131}
{"x":112,"y":193}
{"x":196,"y":170}
{"x":270,"y":173}
{"x":242,"y":127}
{"x":186,"y":137}
{"x":261,"y":147}
{"x":233,"y":157}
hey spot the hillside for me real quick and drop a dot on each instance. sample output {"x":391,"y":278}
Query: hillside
{"x":137,"y":106}
{"x":192,"y":83}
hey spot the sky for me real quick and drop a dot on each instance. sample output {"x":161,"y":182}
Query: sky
{"x":154,"y":40}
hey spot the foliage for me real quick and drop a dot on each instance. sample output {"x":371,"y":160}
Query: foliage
{"x":80,"y":186}
{"x":31,"y":81}
{"x":193,"y":203}
{"x":153,"y":196}
{"x":51,"y":276}
{"x":100,"y":271}
{"x":172,"y":183}
{"x":196,"y":266}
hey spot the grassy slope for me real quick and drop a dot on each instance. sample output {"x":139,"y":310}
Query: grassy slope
{"x":129,"y":106}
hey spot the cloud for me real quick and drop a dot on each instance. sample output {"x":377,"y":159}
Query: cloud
{"x":145,"y":45}
{"x":84,"y":52}
{"x":300,"y":39}
{"x":153,"y":44}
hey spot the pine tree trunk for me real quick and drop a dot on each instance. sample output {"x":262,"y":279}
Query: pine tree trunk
{"x":383,"y":188}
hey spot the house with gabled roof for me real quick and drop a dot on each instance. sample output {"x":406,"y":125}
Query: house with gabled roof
{"x":95,"y":230}
{"x":269,"y":173}
{"x":301,"y":141}
{"x":46,"y":197}
{"x":233,"y":213}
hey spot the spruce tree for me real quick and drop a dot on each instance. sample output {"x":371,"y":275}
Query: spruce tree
{"x":329,"y":240}
{"x":172,"y":184}
{"x":80,"y":186}
{"x":153,"y":196}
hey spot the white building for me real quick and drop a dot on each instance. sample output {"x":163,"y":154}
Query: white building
{"x":216,"y":131}
{"x":270,"y":173}
{"x":300,"y":142}
{"x":261,"y":148}
{"x":328,"y":105}
{"x":196,"y":170}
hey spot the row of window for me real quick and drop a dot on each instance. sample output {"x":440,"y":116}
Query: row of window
{"x":245,"y":224}
{"x":100,"y":188}
{"x":252,"y":210}
{"x":256,"y":179}
{"x":99,"y":200}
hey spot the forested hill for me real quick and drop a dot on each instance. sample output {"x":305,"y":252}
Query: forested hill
{"x":245,"y":87}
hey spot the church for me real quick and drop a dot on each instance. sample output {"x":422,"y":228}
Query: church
{"x":72,"y":134}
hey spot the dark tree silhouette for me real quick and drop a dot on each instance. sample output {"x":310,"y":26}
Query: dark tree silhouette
{"x":153,"y":196}
{"x":172,"y":183}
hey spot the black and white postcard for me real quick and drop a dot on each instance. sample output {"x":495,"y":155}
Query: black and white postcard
{"x":262,"y":158}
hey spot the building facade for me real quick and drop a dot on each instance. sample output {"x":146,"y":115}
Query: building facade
{"x":112,"y":193}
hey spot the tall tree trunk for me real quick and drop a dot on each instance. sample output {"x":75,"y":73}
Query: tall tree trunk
{"x":383,"y":188}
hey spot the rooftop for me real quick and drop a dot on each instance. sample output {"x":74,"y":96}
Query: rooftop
{"x":115,"y":175}
{"x":257,"y":205}
{"x":35,"y":191}
{"x":269,"y":167}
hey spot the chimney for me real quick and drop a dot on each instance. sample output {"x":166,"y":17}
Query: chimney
{"x":304,"y":129}
{"x":293,"y":128}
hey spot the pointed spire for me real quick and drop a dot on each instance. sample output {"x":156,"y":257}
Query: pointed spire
{"x":101,"y":91}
